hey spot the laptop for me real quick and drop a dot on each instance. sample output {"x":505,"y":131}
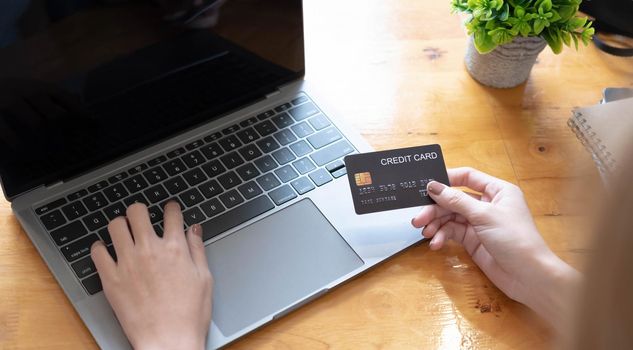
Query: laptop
{"x":107,"y":103}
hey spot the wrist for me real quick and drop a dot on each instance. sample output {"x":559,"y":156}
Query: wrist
{"x":176,"y":341}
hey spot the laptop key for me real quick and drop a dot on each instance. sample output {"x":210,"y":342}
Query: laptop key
{"x":319,"y":122}
{"x":302,"y":129}
{"x":175,"y":185}
{"x":105,"y":235}
{"x":174,"y":166}
{"x":193,"y":216}
{"x":155,"y":214}
{"x":213,"y":137}
{"x":286,"y":173}
{"x":285,"y":137}
{"x":155,"y":175}
{"x":301,"y":148}
{"x":304,"y":111}
{"x":268,"y":144}
{"x":114,"y":210}
{"x":247,"y":171}
{"x":177,"y":152}
{"x":95,"y":221}
{"x":229,"y":180}
{"x":92,"y":284}
{"x":250,"y":190}
{"x":136,"y":198}
{"x":212,"y":207}
{"x":237,"y":216}
{"x":193,"y":145}
{"x":137,"y":169}
{"x":79,"y":248}
{"x":193,"y":159}
{"x":282,"y":194}
{"x":331,"y":152}
{"x":250,"y":152}
{"x":302,"y":185}
{"x":266,"y":164}
{"x":210,"y":189}
{"x":340,"y":172}
{"x":98,"y":186}
{"x":268,"y":181}
{"x":230,"y":143}
{"x":231,"y":198}
{"x":50,"y":206}
{"x":195,"y":176}
{"x":304,"y":165}
{"x":283,"y":120}
{"x":284,"y":156}
{"x":77,"y":195}
{"x":95,"y":201}
{"x":157,"y":160}
{"x":118,"y":177}
{"x":232,"y":160}
{"x":213,"y":168}
{"x":283,"y":107}
{"x":265,"y":115}
{"x":74,"y":210}
{"x":335,"y":165}
{"x":134,"y":184}
{"x":69,"y":232}
{"x":53,"y":219}
{"x":324,"y":138}
{"x":231,"y":129}
{"x":191,"y":197}
{"x":156,"y":194}
{"x":265,"y":128}
{"x":212,"y":150}
{"x":115,"y":192}
{"x":247,"y":135}
{"x":84,"y":267}
{"x":320,"y":177}
{"x":248,"y":122}
{"x":159,"y":230}
{"x":299,"y":100}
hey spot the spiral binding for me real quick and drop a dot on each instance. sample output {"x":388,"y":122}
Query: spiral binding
{"x":602,"y":157}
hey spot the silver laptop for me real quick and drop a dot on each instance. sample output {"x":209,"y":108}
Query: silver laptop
{"x":104,"y":103}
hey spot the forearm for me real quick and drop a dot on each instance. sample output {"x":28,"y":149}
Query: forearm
{"x":554,"y":290}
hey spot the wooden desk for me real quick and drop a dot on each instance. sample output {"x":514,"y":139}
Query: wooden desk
{"x":395,"y":70}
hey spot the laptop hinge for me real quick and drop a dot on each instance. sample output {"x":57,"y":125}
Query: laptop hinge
{"x":276,"y":92}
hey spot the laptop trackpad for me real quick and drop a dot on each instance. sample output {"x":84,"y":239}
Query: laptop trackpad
{"x":273,"y":263}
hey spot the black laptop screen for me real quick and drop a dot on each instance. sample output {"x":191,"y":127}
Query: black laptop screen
{"x":84,"y":82}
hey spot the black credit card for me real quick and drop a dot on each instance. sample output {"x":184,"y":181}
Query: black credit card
{"x":394,"y":179}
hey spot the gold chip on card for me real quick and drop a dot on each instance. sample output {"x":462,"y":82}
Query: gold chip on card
{"x":363,"y":179}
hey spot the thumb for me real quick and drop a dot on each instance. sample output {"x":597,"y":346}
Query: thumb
{"x":454,"y":200}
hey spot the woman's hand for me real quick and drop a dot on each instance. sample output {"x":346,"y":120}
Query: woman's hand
{"x":159,"y":288}
{"x":497,"y":230}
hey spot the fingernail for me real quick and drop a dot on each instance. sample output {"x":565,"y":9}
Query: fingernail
{"x":435,"y":187}
{"x":196,"y":229}
{"x":412,"y":224}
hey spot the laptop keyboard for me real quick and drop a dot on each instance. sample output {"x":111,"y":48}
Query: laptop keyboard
{"x":220,"y":181}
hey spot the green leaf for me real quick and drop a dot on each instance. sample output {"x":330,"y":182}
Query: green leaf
{"x":566,"y":37}
{"x":574,"y":38}
{"x":505,"y":12}
{"x":501,"y":36}
{"x":483,"y":41}
{"x":553,"y":40}
{"x":539,"y":25}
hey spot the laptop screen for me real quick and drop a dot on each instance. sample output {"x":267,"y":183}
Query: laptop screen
{"x":84,"y":82}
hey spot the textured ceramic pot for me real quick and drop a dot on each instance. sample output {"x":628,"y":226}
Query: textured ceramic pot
{"x":506,"y":66}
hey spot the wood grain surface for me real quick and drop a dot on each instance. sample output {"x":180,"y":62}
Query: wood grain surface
{"x":395,"y":71}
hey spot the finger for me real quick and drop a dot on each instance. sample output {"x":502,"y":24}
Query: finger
{"x":450,"y":230}
{"x":103,"y":261}
{"x":430,"y":229}
{"x":121,"y":237}
{"x":428,"y":214}
{"x":138,"y":218}
{"x":173,"y":224}
{"x":455,"y":200}
{"x":196,"y":247}
{"x":475,"y":179}
{"x":438,"y":240}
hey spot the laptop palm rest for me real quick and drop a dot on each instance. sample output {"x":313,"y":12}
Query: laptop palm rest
{"x":272,"y":264}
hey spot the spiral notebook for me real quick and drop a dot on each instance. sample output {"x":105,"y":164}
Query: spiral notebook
{"x":606,"y":131}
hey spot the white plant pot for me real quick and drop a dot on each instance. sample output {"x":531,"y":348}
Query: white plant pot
{"x":507,"y":65}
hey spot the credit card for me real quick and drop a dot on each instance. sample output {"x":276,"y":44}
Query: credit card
{"x":394,"y":179}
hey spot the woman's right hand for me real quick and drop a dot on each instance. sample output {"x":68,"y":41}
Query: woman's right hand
{"x":497,"y":230}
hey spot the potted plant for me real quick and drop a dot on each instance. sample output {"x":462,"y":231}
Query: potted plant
{"x":506,"y":36}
